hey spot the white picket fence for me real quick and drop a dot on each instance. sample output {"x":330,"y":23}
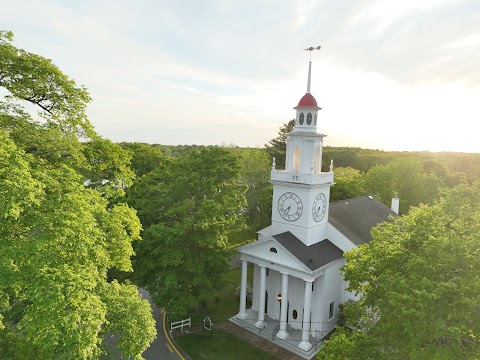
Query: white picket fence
{"x":180,"y":324}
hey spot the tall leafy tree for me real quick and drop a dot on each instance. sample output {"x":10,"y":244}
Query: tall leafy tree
{"x":255,"y":173}
{"x":145,"y":157}
{"x":277,"y":147}
{"x":348,"y":184}
{"x":108,"y":167}
{"x":187,"y":205}
{"x":35,"y":79}
{"x":58,"y":237}
{"x":418,"y":285}
{"x":407,"y":177}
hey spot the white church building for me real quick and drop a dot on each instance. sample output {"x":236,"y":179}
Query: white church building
{"x":297,"y":285}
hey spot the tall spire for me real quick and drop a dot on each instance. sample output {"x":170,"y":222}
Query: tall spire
{"x":309,"y":76}
{"x":311,"y":48}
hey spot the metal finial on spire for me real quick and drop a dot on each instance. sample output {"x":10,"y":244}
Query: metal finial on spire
{"x":311,"y":48}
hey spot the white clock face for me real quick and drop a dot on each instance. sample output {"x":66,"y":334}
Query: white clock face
{"x":290,"y":206}
{"x":319,"y":207}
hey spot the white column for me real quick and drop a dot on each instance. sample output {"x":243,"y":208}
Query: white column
{"x":261,"y":300}
{"x":243,"y":292}
{"x":283,"y":334}
{"x":307,"y":304}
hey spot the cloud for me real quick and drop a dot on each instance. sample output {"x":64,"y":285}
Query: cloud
{"x":231,"y":71}
{"x":406,"y":40}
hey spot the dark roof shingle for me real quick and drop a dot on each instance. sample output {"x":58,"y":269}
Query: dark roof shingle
{"x":314,"y":256}
{"x":356,"y":217}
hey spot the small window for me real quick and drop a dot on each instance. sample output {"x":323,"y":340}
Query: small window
{"x":309,"y":118}
{"x":315,"y":119}
{"x":273,"y":250}
{"x":295,"y":314}
{"x":300,"y":119}
{"x":268,"y":271}
{"x":331,"y":311}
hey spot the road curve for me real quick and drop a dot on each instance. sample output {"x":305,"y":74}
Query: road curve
{"x":163,"y":347}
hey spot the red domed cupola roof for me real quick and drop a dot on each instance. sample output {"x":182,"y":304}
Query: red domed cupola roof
{"x":307,"y":101}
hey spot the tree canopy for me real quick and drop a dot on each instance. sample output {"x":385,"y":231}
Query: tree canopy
{"x":59,"y":230}
{"x":35,"y":79}
{"x":418,"y":285}
{"x":405,"y":177}
{"x":145,"y":157}
{"x":255,"y":174}
{"x":277,"y":147}
{"x":186,"y":206}
{"x":349,"y":183}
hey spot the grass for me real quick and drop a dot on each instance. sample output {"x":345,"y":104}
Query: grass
{"x":222,"y":345}
{"x":219,"y":308}
{"x":224,"y":304}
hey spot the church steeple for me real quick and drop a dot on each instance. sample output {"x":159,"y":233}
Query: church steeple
{"x":307,"y":108}
{"x":301,"y":192}
{"x":310,"y":149}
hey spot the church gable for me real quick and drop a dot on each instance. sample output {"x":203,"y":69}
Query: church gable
{"x":272,"y":251}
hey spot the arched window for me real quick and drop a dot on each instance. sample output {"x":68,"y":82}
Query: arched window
{"x":294,"y":314}
{"x":273,"y":250}
{"x":309,"y":118}
{"x":296,"y":159}
{"x":317,"y":160}
{"x":300,"y":118}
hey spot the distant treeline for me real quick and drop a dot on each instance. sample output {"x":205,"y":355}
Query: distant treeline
{"x":438,"y":163}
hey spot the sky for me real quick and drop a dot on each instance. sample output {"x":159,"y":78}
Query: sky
{"x":391,"y":75}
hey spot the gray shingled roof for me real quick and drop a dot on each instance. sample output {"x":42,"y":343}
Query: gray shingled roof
{"x":313,"y":256}
{"x":355,"y":218}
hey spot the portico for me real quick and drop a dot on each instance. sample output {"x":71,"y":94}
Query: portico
{"x":283,"y":300}
{"x":286,"y":289}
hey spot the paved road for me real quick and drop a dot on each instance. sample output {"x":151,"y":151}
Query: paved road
{"x":162,"y":348}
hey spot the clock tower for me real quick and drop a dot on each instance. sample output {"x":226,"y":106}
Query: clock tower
{"x":301,"y":192}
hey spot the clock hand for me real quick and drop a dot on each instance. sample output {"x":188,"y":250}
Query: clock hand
{"x":287,"y":210}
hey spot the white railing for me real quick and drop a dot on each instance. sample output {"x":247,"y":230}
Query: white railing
{"x":180,"y":324}
{"x":310,"y":179}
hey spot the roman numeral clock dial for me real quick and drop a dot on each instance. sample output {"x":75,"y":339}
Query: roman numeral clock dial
{"x":290,"y":206}
{"x":319,"y":207}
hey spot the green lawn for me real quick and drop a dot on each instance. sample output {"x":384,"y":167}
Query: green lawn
{"x":224,"y":304}
{"x":221,"y":346}
{"x":219,"y":308}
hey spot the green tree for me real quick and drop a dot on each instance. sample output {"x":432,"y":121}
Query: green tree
{"x":58,"y":238}
{"x":108,"y":167}
{"x":405,"y":176}
{"x":186,"y":206}
{"x":145,"y":157}
{"x":277,"y":147}
{"x":33,"y":78}
{"x":418,"y":284}
{"x":348,"y":184}
{"x":255,"y":174}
